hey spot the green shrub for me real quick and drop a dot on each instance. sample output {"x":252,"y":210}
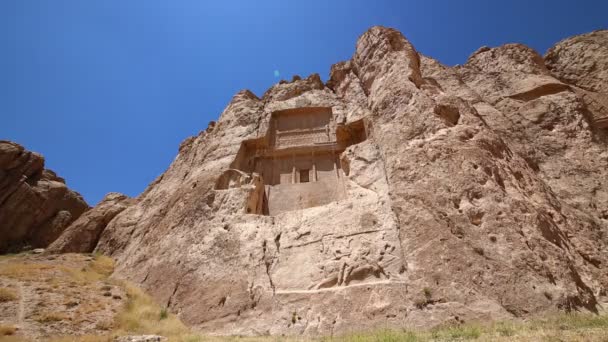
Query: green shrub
{"x":428,"y":294}
{"x":164,"y":313}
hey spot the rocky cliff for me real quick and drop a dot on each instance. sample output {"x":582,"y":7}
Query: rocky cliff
{"x":83,"y":234}
{"x":35,"y":204}
{"x":459,"y":193}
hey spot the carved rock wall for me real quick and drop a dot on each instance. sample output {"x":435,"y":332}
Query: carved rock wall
{"x":469,"y":192}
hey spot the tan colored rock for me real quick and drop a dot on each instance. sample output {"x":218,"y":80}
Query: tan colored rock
{"x":141,"y":338}
{"x":66,"y":296}
{"x":581,"y":61}
{"x":35,"y":205}
{"x":457,"y":194}
{"x":83,"y":234}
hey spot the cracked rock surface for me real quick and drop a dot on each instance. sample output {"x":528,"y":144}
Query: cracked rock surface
{"x":84,"y":233}
{"x":35,"y":204}
{"x":480,"y":193}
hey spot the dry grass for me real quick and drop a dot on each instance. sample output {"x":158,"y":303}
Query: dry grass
{"x":564,"y":327}
{"x":7,"y":295}
{"x":51,"y":317}
{"x":8,"y":256}
{"x":82,"y":338}
{"x":142,"y":315}
{"x":101,"y":265}
{"x":7,"y":330}
{"x":13,"y":338}
{"x":99,"y":268}
{"x":24,"y":270}
{"x":104,"y":325}
{"x":91,"y":305}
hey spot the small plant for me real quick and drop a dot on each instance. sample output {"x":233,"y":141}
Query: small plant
{"x":80,"y":338}
{"x":427,"y":298}
{"x":164,"y":313}
{"x":7,"y":295}
{"x":428,"y":294}
{"x":192,"y":339}
{"x":141,"y":315}
{"x":90,"y":306}
{"x":101,"y":265}
{"x":420,"y":303}
{"x":378,"y":336}
{"x":464,"y":332}
{"x":573,"y":321}
{"x":394,"y":336}
{"x":458,"y":333}
{"x":505,"y":329}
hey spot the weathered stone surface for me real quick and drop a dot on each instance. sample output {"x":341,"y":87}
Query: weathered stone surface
{"x":466,"y":193}
{"x":35,"y":204}
{"x":141,"y":338}
{"x":67,"y":296}
{"x":83,"y":234}
{"x":581,"y":61}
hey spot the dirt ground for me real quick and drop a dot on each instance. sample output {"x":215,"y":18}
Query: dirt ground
{"x":71,"y":297}
{"x":51,"y":295}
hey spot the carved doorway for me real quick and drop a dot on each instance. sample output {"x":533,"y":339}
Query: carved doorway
{"x":304,"y":176}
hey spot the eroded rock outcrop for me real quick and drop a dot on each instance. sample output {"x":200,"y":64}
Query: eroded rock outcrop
{"x":581,"y":61}
{"x":83,"y":234}
{"x":457,"y":193}
{"x":35,"y":204}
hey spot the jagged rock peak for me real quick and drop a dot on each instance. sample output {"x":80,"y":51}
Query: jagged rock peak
{"x":579,"y":61}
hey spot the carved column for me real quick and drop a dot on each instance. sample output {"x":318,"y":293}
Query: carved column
{"x":293,"y":169}
{"x":314,"y":167}
{"x":336,"y":166}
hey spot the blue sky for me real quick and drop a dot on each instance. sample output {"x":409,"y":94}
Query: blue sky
{"x":106,"y":90}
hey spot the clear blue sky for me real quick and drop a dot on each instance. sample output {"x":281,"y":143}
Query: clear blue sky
{"x":107,"y":89}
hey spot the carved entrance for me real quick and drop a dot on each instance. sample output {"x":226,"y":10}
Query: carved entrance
{"x":297,"y":159}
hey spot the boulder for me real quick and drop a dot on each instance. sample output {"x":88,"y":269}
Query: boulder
{"x":82,"y":235}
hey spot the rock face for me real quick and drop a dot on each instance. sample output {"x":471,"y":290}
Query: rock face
{"x":580,"y":61}
{"x":83,"y":234}
{"x":400,"y":193}
{"x":35,"y":204}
